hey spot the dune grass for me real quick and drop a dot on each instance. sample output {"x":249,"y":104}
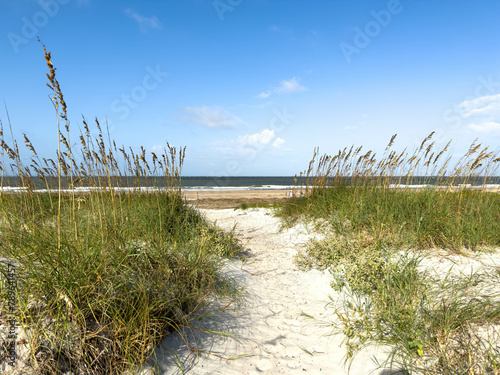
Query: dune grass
{"x":377,"y":231}
{"x":375,"y":196}
{"x":109,"y":259}
{"x":247,"y":206}
{"x":431,"y":217}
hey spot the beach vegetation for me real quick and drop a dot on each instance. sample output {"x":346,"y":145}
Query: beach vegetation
{"x":379,"y":230}
{"x":246,"y":206}
{"x":108,"y":258}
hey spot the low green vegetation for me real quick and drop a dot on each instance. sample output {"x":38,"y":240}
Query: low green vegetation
{"x":246,"y":206}
{"x":106,"y":265}
{"x":427,"y":218}
{"x":376,"y":237}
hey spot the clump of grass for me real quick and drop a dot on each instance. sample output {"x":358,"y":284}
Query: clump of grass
{"x":361,"y":189}
{"x":246,"y":206}
{"x":374,"y":221}
{"x":423,"y":219}
{"x":433,"y":326}
{"x":110,"y":259}
{"x":353,"y":259}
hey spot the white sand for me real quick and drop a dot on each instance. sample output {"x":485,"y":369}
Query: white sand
{"x":270,"y":335}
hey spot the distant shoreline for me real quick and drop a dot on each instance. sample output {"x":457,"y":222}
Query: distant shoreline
{"x":274,"y":190}
{"x":224,"y":183}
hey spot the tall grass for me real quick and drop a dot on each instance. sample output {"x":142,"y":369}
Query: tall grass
{"x":110,"y":259}
{"x":376,"y":196}
{"x":375,"y":221}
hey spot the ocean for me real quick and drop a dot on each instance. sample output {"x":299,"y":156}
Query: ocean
{"x":288,"y":182}
{"x":230,"y":183}
{"x":238,"y":183}
{"x":187,"y":183}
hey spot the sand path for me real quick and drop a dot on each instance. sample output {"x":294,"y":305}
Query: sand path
{"x":270,"y":334}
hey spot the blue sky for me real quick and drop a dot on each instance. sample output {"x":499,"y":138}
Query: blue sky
{"x":252,"y":86}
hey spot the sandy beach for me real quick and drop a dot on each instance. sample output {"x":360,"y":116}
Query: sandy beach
{"x":219,"y":199}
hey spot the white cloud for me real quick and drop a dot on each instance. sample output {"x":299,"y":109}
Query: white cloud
{"x":157,"y":148}
{"x":264,"y":94}
{"x":144,"y":22}
{"x":287,"y":86}
{"x":484,"y":105}
{"x":290,"y":86}
{"x":483,"y":113}
{"x":261,"y":139}
{"x":486,"y":126}
{"x":489,"y":109}
{"x":278,"y":142}
{"x":211,"y":117}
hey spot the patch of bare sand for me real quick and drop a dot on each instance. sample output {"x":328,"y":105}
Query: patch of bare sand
{"x":221,"y":199}
{"x":266,"y":331}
